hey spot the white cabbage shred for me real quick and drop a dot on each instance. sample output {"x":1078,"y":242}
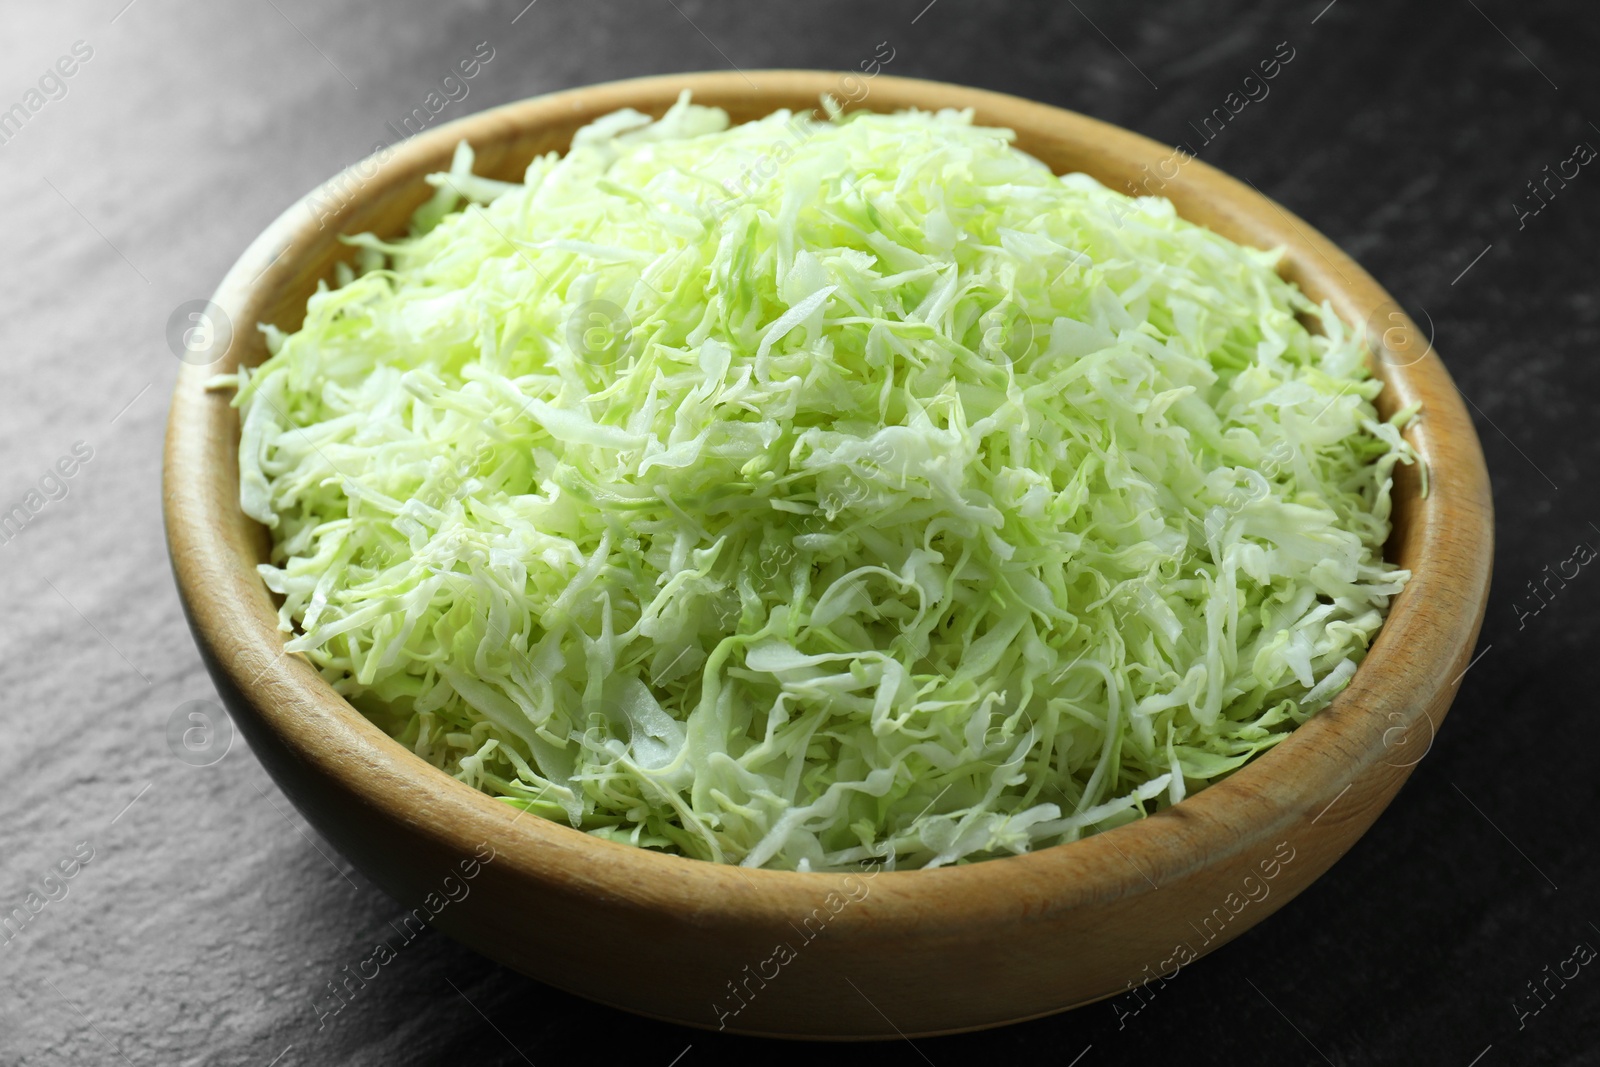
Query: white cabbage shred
{"x":818,"y":491}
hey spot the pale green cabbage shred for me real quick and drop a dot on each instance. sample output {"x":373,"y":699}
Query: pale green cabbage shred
{"x":935,"y":507}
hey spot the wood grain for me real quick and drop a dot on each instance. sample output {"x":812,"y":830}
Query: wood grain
{"x":906,"y":953}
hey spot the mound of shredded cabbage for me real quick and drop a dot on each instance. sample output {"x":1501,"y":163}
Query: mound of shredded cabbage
{"x":822,"y":490}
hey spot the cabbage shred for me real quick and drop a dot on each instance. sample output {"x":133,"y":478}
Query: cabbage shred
{"x":821,"y":490}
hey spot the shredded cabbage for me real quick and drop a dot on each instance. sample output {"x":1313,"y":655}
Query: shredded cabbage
{"x":821,"y":490}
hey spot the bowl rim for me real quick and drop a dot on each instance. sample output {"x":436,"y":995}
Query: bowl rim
{"x":1419,"y":653}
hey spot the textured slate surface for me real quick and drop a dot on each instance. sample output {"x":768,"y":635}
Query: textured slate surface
{"x":209,"y":917}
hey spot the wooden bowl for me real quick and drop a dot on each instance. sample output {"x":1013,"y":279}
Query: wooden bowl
{"x":830,"y":955}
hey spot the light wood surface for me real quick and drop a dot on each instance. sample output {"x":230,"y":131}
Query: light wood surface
{"x":906,"y":953}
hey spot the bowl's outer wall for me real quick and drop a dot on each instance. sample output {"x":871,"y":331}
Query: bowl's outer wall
{"x":898,"y":953}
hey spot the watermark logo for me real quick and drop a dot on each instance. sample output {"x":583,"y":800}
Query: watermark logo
{"x":1394,"y":338}
{"x":599,"y":332}
{"x":199,"y":733}
{"x":1007,"y":335}
{"x":1408,"y":742}
{"x":1006,"y":738}
{"x":199,"y":332}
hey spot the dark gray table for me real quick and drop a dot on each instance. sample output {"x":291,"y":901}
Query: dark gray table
{"x":209,"y":918}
